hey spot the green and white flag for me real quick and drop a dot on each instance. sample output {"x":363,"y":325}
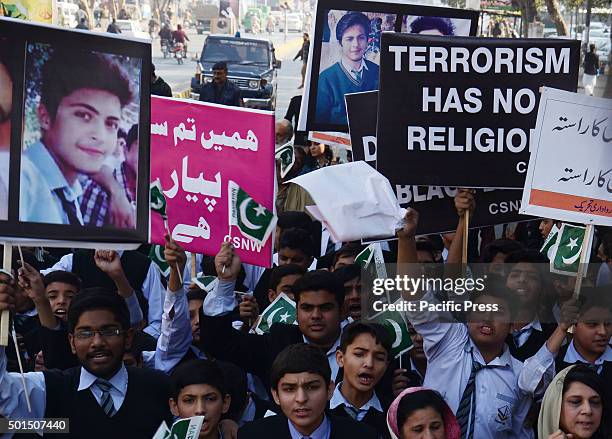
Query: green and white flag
{"x":282,"y":310}
{"x":206,"y":283}
{"x":365,"y":257}
{"x":158,"y":199}
{"x":187,"y":428}
{"x":253,"y":220}
{"x":548,"y":249}
{"x":394,"y":323}
{"x":371,"y":258}
{"x":156,"y":254}
{"x":566,"y":255}
{"x":285,"y":154}
{"x":162,"y":432}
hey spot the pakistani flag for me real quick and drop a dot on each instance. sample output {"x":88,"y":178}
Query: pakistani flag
{"x":282,"y":310}
{"x":394,"y":323}
{"x":156,"y":254}
{"x":365,"y":257}
{"x":162,"y":432}
{"x":548,"y":248}
{"x":253,"y":220}
{"x":187,"y":428}
{"x":206,"y":283}
{"x":286,"y":156}
{"x":158,"y":200}
{"x":371,"y":259}
{"x":566,"y":255}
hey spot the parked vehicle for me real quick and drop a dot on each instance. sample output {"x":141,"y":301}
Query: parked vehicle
{"x":131,"y":28}
{"x":294,"y":22}
{"x":251,"y":65}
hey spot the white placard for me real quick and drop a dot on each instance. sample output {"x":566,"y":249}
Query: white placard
{"x":569,"y":177}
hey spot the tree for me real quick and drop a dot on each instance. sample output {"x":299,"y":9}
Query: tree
{"x":556,"y":17}
{"x":529,"y":13}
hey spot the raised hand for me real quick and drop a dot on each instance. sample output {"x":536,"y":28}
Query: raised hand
{"x":411,"y":221}
{"x":227,"y":263}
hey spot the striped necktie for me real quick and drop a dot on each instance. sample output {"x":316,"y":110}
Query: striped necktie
{"x":467,"y":406}
{"x":106,"y":402}
{"x":351,"y":411}
{"x":357,"y":74}
{"x":70,"y":208}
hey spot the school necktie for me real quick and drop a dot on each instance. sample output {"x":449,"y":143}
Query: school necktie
{"x":70,"y":207}
{"x":467,"y":406}
{"x":106,"y":402}
{"x":351,"y":411}
{"x":517,"y":335}
{"x":357,"y":74}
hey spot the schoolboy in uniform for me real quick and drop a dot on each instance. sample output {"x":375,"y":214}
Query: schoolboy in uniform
{"x":302,"y":386}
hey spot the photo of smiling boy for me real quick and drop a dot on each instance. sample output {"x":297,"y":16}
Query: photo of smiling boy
{"x":353,"y":73}
{"x":364,"y":354}
{"x":301,"y":385}
{"x":79,"y":113}
{"x":199,"y":389}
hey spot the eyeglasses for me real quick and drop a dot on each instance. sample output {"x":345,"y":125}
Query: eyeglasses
{"x":104,"y":333}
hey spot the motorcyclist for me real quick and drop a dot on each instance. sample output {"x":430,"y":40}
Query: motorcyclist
{"x":165,"y":35}
{"x":179,"y":36}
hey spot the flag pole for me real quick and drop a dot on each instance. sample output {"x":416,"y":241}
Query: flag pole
{"x":178,"y":271}
{"x":5,"y":317}
{"x":584,"y":257}
{"x":229,"y":233}
{"x":193,"y":265}
{"x":466,"y":223}
{"x":582,"y":266}
{"x":23,"y":381}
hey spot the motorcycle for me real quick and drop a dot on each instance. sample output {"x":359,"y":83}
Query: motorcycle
{"x":165,"y":47}
{"x":178,"y":52}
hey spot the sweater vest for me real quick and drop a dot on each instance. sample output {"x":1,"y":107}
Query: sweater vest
{"x":144,"y":408}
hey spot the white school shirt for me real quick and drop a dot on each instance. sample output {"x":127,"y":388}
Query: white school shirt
{"x":152,"y":289}
{"x":40,"y":177}
{"x":12,"y":396}
{"x":504,"y":390}
{"x":175,"y":338}
{"x":573,"y":356}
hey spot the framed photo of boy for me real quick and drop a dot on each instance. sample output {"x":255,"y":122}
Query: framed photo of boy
{"x":79,"y":150}
{"x":344,"y":56}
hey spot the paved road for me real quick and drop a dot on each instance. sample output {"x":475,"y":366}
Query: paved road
{"x":179,"y":76}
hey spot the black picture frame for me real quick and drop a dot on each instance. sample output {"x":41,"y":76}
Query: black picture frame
{"x":20,"y":34}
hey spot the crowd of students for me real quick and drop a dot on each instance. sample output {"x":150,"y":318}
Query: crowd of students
{"x":112,"y":345}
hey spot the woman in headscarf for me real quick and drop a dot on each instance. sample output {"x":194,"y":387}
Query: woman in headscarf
{"x":419,"y":413}
{"x":575,"y":406}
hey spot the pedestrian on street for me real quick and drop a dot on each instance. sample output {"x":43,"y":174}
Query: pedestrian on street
{"x":591,"y":67}
{"x":303,"y":55}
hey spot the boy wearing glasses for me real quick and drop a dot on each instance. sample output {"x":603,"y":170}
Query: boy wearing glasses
{"x":101,"y":397}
